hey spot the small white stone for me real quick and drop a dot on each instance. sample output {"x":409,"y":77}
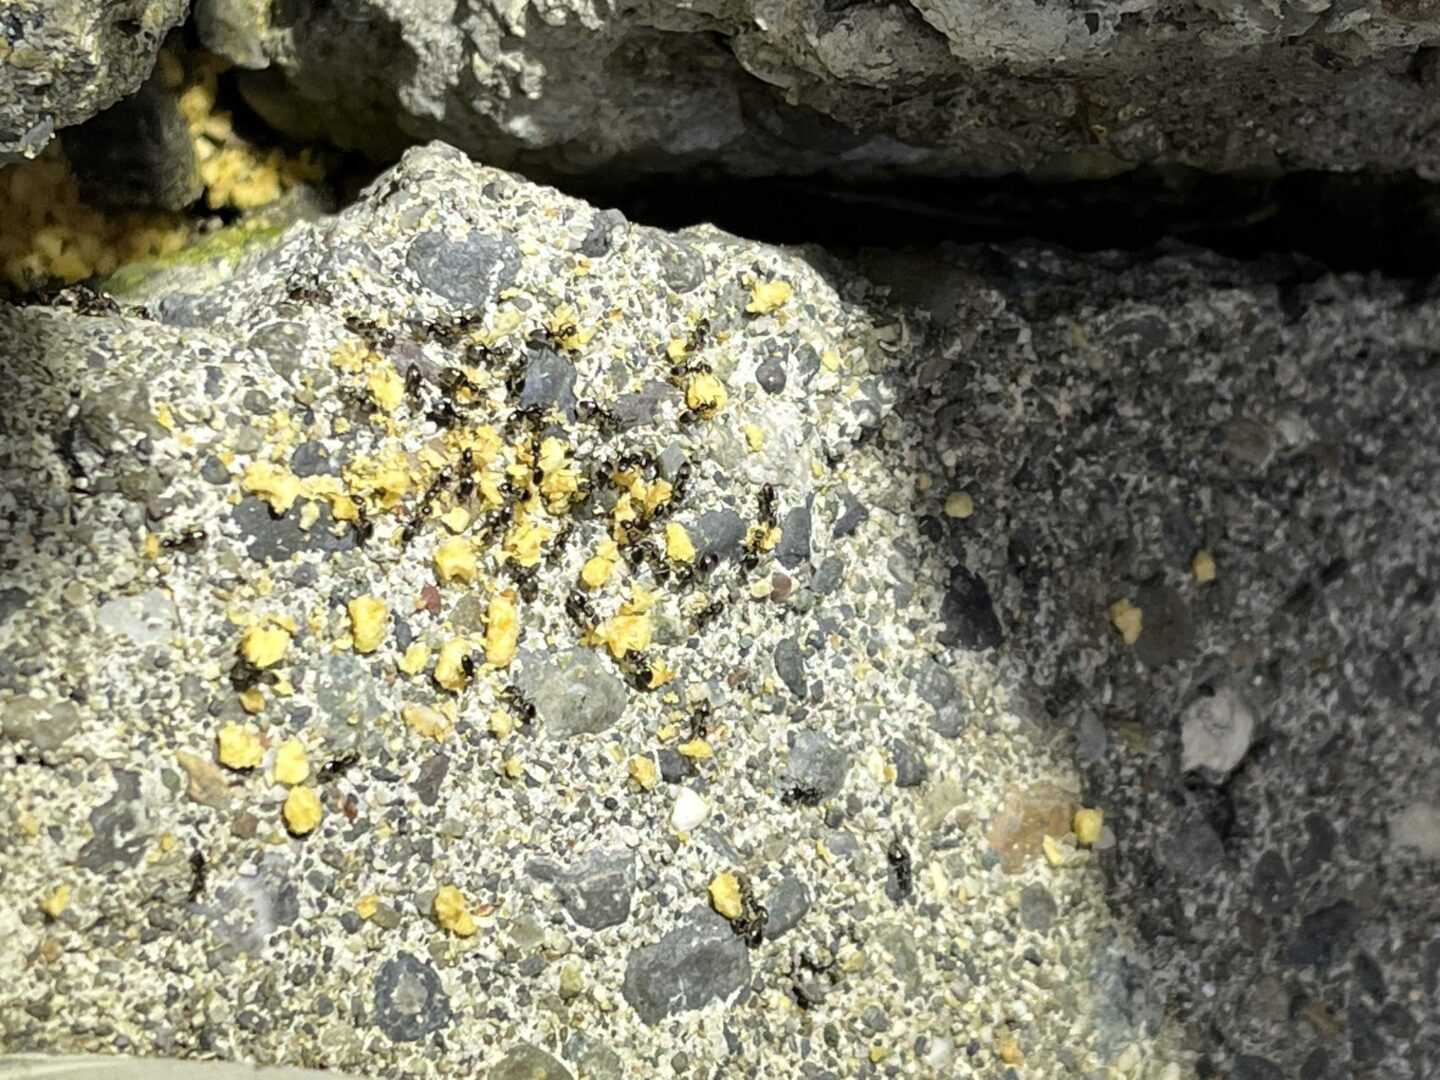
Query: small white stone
{"x":940,"y":1053}
{"x":1417,"y":827}
{"x":1216,"y":732}
{"x":690,"y":810}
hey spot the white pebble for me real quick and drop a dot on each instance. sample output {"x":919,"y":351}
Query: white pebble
{"x":690,"y":810}
{"x":1216,"y":732}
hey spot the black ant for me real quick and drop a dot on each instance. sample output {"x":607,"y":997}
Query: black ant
{"x":527,"y":581}
{"x":706,"y":615}
{"x":413,"y":380}
{"x":443,"y":415}
{"x":592,"y":412}
{"x":750,"y":923}
{"x":337,"y":768}
{"x":188,"y":542}
{"x":197,"y":875}
{"x":700,"y":714}
{"x":368,"y":331}
{"x":467,"y":665}
{"x":579,"y":610}
{"x":362,"y":526}
{"x":768,"y":502}
{"x":681,"y":484}
{"x":899,"y":860}
{"x":802,"y":795}
{"x":244,"y":675}
{"x":515,"y":700}
{"x":559,"y":544}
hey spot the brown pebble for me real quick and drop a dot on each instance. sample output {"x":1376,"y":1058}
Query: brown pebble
{"x":781,"y":586}
{"x":244,"y":826}
{"x":430,"y":599}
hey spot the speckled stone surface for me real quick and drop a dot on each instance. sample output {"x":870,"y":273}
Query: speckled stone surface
{"x":882,"y":726}
{"x":757,"y":87}
{"x":62,"y":62}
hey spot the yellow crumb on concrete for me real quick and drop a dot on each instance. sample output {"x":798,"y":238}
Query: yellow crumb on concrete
{"x":1007,"y":1048}
{"x":426,"y":722}
{"x":291,"y":764}
{"x":598,"y":567}
{"x":449,"y":666}
{"x":417,"y":655}
{"x":830,"y":360}
{"x":754,"y":437}
{"x":768,"y":296}
{"x":502,"y":629}
{"x":455,"y":560}
{"x":959,"y":505}
{"x":452,"y":913}
{"x":1203,"y":567}
{"x":878,"y":1052}
{"x":644,"y":772}
{"x":678,"y":544}
{"x":501,"y":724}
{"x":253,"y":700}
{"x":264,"y":646}
{"x":456,"y":519}
{"x":302,"y":810}
{"x":660,"y":673}
{"x":676,"y":349}
{"x":386,"y":386}
{"x":514,"y":768}
{"x":56,"y":902}
{"x":369,"y":618}
{"x":238,"y":746}
{"x":1088,"y":825}
{"x":367,"y":905}
{"x":697,"y":750}
{"x":725,"y":896}
{"x":1127,"y":619}
{"x":525,"y":542}
{"x":273,"y":483}
{"x":706,"y":394}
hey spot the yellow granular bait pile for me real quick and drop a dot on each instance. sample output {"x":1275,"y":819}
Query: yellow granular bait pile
{"x":51,"y":237}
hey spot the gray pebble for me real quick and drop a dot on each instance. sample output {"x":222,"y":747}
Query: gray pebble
{"x":789,"y":657}
{"x":1271,"y":883}
{"x":311,"y":459}
{"x":432,"y":775}
{"x":1166,"y":635}
{"x":603,"y":227}
{"x":213,"y":471}
{"x":1037,"y":908}
{"x":643,"y":407}
{"x":719,"y":531}
{"x":43,"y":722}
{"x":794,"y":546}
{"x":771,"y":375}
{"x":1324,"y":935}
{"x":468,"y":271}
{"x":675,"y":767}
{"x":276,"y":539}
{"x":910,"y":768}
{"x":816,"y":763}
{"x":852,"y":515}
{"x":596,"y":891}
{"x":11,"y":601}
{"x":410,"y":1003}
{"x":118,"y":826}
{"x":526,"y":1062}
{"x":828,"y":577}
{"x":1250,"y":1067}
{"x":574,"y":692}
{"x":787,"y":902}
{"x":549,"y":381}
{"x":700,"y":961}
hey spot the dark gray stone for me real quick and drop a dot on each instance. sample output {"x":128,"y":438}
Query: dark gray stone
{"x":789,"y":657}
{"x":951,"y":719}
{"x":1368,"y":975}
{"x":311,"y":459}
{"x":794,"y":546}
{"x":910,"y":768}
{"x":1165,"y":635}
{"x":675,"y":767}
{"x":828,"y":576}
{"x":468,"y":271}
{"x":787,"y":902}
{"x":1251,"y":1067}
{"x":603,"y":227}
{"x":815,"y":763}
{"x":1319,"y":845}
{"x":1324,"y":935}
{"x":718,"y":531}
{"x":271,"y":539}
{"x":1037,"y":909}
{"x":968,"y":613}
{"x":700,"y":961}
{"x":574,"y":692}
{"x":1194,"y":850}
{"x":409,"y":1000}
{"x":213,"y":471}
{"x":596,"y":891}
{"x":526,"y":1062}
{"x":771,"y":375}
{"x":12,"y":600}
{"x":934,"y":684}
{"x":137,"y":153}
{"x":549,"y":381}
{"x":432,"y":775}
{"x":1273,"y":888}
{"x":852,"y":515}
{"x":118,"y":826}
{"x":642,"y":408}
